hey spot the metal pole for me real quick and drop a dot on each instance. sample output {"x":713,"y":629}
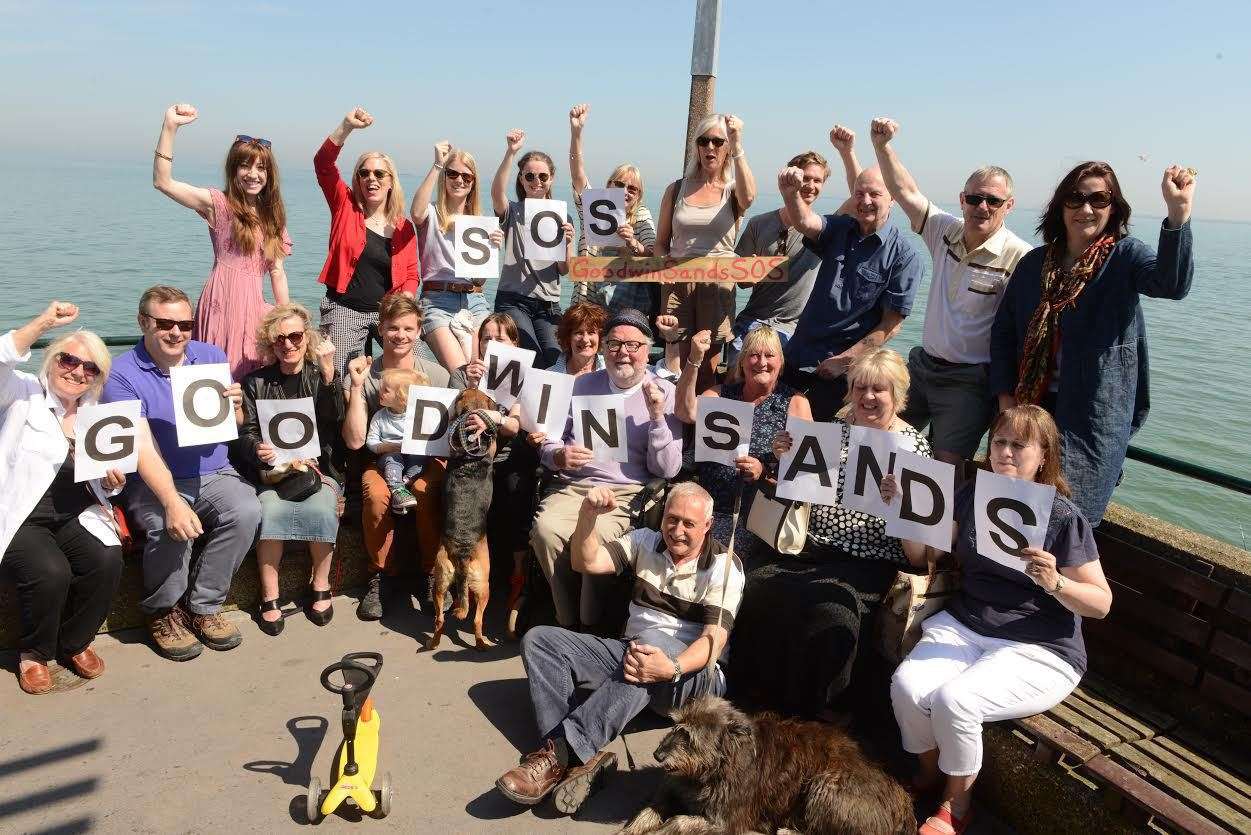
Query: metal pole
{"x":704,"y":48}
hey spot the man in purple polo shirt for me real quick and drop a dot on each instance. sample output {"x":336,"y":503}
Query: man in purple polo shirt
{"x":183,"y":494}
{"x":654,"y":448}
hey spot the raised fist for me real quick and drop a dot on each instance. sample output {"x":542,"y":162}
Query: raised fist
{"x":882,"y":130}
{"x":180,"y":114}
{"x":59,"y":314}
{"x":733,"y":130}
{"x":358,"y":368}
{"x":358,"y":119}
{"x":701,"y":344}
{"x":790,"y":180}
{"x":577,"y":116}
{"x":668,"y":327}
{"x":442,"y":150}
{"x":844,"y":139}
{"x":515,"y":139}
{"x":1178,"y":185}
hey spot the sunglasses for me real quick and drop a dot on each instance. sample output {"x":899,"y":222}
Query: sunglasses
{"x":990,"y":200}
{"x":530,"y":177}
{"x":464,"y":176}
{"x":378,"y":173}
{"x":254,"y":140}
{"x":68,"y":362}
{"x":184,"y":325}
{"x":1096,"y":199}
{"x":630,"y":189}
{"x":714,"y":141}
{"x":294,"y":338}
{"x":632,"y":346}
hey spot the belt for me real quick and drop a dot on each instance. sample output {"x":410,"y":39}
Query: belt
{"x":942,"y":363}
{"x":452,"y":286}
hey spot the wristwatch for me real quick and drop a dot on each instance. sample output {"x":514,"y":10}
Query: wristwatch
{"x":1059,"y":585}
{"x":677,"y":670}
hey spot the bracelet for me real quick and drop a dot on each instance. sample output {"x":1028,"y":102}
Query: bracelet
{"x":739,"y":154}
{"x":436,"y":165}
{"x":165,"y":157}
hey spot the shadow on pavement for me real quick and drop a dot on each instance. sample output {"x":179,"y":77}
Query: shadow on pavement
{"x":308,"y":733}
{"x":506,"y":705}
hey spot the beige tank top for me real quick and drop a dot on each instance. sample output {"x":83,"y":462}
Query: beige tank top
{"x":701,"y":231}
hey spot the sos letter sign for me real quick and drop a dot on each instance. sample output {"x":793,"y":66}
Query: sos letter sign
{"x":603,"y":215}
{"x":202,"y":412}
{"x":476,"y":256}
{"x":290,"y":427}
{"x":544,"y":235}
{"x":722,"y":429}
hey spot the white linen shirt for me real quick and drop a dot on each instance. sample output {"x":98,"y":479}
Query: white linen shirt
{"x":32,"y":449}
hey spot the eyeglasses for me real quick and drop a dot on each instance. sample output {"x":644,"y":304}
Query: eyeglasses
{"x":530,"y":177}
{"x":69,"y":362}
{"x":378,"y":173}
{"x":294,"y":338}
{"x":464,"y":176}
{"x":630,"y":189}
{"x":1096,"y":199}
{"x":714,"y":141}
{"x":184,"y":325}
{"x":254,"y":140}
{"x":991,"y":201}
{"x":631,"y":347}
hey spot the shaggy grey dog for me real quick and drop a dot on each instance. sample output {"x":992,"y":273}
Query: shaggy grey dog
{"x":727,"y":772}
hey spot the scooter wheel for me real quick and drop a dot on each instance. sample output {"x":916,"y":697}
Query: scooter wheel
{"x":312,"y":801}
{"x":384,"y":796}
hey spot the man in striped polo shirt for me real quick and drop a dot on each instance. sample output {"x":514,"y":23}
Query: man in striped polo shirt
{"x":686,"y":591}
{"x":973,"y":259}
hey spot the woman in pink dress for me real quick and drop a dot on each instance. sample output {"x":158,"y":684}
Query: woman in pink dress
{"x":248,"y":227}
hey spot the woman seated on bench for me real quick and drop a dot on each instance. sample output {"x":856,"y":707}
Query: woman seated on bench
{"x":1010,"y":644}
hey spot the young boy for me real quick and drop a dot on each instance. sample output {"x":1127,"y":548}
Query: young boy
{"x":386,"y":432}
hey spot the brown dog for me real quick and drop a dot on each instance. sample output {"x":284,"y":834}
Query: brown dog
{"x":726,"y":772}
{"x":463,"y":553}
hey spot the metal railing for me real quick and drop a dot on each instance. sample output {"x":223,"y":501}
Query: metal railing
{"x":1156,"y":459}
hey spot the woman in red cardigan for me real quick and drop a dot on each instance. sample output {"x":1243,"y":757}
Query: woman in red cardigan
{"x":373,"y":245}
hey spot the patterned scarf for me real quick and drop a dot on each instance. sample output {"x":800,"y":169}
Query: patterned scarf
{"x":1060,"y":289}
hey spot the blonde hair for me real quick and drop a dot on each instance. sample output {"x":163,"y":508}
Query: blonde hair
{"x":395,"y":197}
{"x":268,"y":328}
{"x":879,"y":364}
{"x":399,"y":380}
{"x":93,"y":347}
{"x":619,"y":173}
{"x":761,"y":337}
{"x":726,"y":175}
{"x":473,"y":206}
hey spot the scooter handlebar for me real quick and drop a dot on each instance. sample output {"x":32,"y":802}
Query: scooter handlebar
{"x":359,"y":669}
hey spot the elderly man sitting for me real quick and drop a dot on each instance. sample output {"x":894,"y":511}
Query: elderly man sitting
{"x":681,"y":613}
{"x":654,"y":448}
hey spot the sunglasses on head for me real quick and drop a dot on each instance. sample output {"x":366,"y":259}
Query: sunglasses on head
{"x":630,"y":189}
{"x":254,"y":140}
{"x":530,"y":177}
{"x":69,"y":362}
{"x":184,"y":325}
{"x":991,"y":201}
{"x":378,"y":173}
{"x":1096,"y":199}
{"x":714,"y":141}
{"x":294,"y":338}
{"x":454,"y":176}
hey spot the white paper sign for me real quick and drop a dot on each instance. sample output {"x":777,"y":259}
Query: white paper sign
{"x":202,"y":415}
{"x":476,"y":256}
{"x":545,"y":398}
{"x":107,"y":439}
{"x":923,"y":510}
{"x":603,"y":213}
{"x":426,"y":420}
{"x":506,"y":369}
{"x":290,"y":427}
{"x":808,"y":472}
{"x":722,"y":429}
{"x":543,"y":233}
{"x":1010,"y":514}
{"x":870,"y":455}
{"x":599,"y":424}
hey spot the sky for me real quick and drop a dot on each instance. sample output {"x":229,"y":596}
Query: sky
{"x":1034,"y":87}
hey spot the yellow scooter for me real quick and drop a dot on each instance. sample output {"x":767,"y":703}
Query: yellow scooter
{"x":357,"y":760}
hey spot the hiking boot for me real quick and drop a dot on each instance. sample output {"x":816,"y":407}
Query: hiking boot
{"x":370,"y":607}
{"x":534,"y":778}
{"x":402,"y":499}
{"x":215,"y":632}
{"x":172,"y":636}
{"x":582,"y":781}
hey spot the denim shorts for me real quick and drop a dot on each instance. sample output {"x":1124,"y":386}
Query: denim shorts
{"x":315,"y":519}
{"x":443,"y":309}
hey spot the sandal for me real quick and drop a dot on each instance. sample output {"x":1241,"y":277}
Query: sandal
{"x":271,"y":627}
{"x":323,"y":617}
{"x":944,"y":822}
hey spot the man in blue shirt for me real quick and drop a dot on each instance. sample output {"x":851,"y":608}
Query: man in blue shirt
{"x":864,"y":290}
{"x":183,"y":494}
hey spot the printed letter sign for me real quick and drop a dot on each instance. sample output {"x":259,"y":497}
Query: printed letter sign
{"x":290,"y":427}
{"x":1011,"y":514}
{"x":722,"y":429}
{"x":599,"y":424}
{"x":603,"y":213}
{"x":544,"y":234}
{"x":476,"y":256}
{"x":806,"y":473}
{"x":922,"y":511}
{"x":506,"y":368}
{"x":108,"y":435}
{"x":202,"y":412}
{"x":544,"y":399}
{"x":425,"y":422}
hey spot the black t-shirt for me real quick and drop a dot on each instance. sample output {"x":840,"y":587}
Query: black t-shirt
{"x":1000,"y":602}
{"x":64,"y":499}
{"x":372,"y":277}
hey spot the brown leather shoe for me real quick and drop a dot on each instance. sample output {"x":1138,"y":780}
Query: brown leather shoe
{"x":534,"y":778}
{"x":87,"y":664}
{"x":582,"y":781}
{"x":172,"y":637}
{"x":215,"y":632}
{"x":35,"y":679}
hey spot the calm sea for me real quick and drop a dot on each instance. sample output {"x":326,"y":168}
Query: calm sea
{"x":98,"y":234}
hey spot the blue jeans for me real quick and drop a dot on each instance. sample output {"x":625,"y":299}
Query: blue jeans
{"x":560,"y":662}
{"x":398,"y":469}
{"x":536,"y":322}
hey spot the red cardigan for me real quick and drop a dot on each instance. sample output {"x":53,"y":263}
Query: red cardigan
{"x":347,"y":231}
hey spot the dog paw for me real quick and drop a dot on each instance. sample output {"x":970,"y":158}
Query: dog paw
{"x":431,"y":644}
{"x":482,"y":645}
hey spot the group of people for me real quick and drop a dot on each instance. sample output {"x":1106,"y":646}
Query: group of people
{"x":1044,"y":346}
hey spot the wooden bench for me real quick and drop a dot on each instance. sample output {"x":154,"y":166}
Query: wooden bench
{"x":1163,"y":721}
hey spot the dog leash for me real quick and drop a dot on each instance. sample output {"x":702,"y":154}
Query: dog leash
{"x":725,"y":582}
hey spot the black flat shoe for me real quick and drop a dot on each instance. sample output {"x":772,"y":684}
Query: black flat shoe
{"x":320,"y":618}
{"x":271,"y":627}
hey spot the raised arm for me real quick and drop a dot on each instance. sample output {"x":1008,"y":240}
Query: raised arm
{"x":664,"y":440}
{"x":196,"y":198}
{"x":685,"y":400}
{"x":356,"y":422}
{"x":513,"y":140}
{"x":325,"y":161}
{"x":808,"y":222}
{"x":744,"y":180}
{"x":577,"y":170}
{"x":358,"y":118}
{"x":898,"y":181}
{"x":421,"y":200}
{"x":844,"y":141}
{"x":664,"y":227}
{"x":1169,"y":273}
{"x":55,"y":315}
{"x":586,"y":553}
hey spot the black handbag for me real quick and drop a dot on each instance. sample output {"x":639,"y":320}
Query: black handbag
{"x":299,"y":485}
